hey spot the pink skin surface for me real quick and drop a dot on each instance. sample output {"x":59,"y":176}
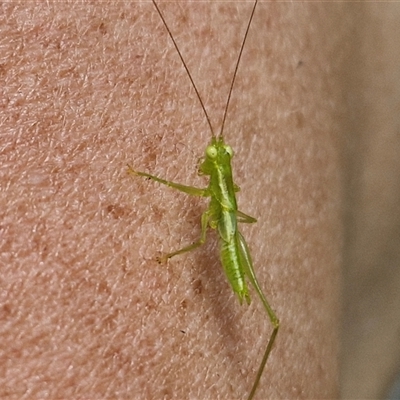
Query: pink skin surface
{"x":86,"y":311}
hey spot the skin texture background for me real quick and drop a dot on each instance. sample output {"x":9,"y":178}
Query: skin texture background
{"x":85,"y":309}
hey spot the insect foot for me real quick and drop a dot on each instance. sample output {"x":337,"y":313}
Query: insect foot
{"x":162,"y":259}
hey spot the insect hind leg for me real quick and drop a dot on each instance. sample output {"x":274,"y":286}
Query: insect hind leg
{"x":249,"y":271}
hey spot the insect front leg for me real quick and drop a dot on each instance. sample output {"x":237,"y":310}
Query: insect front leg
{"x":182,"y":188}
{"x":204,"y":222}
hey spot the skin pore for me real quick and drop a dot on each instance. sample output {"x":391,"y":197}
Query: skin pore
{"x":86,"y":311}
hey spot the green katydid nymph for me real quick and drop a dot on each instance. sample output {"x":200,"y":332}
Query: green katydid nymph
{"x":222,"y":213}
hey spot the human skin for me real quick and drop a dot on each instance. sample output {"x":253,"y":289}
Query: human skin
{"x":86,"y":311}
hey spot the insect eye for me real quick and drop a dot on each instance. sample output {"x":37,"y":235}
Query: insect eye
{"x":211,"y":152}
{"x":229,"y":150}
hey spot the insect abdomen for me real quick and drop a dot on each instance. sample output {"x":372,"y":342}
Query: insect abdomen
{"x":233,"y":270}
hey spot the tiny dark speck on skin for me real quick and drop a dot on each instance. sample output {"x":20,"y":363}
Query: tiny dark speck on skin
{"x":115,"y":210}
{"x":197,"y":286}
{"x":183,"y":304}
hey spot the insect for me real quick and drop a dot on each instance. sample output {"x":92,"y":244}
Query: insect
{"x":222,"y":213}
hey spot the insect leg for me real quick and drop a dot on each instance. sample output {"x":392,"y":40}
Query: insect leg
{"x":242,"y":217}
{"x":204,"y":222}
{"x":249,"y":271}
{"x":183,"y":188}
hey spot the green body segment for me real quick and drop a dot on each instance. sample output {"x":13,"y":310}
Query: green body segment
{"x":223,"y":212}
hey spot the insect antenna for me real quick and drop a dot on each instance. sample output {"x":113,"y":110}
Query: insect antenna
{"x":236,"y":68}
{"x":186,"y":68}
